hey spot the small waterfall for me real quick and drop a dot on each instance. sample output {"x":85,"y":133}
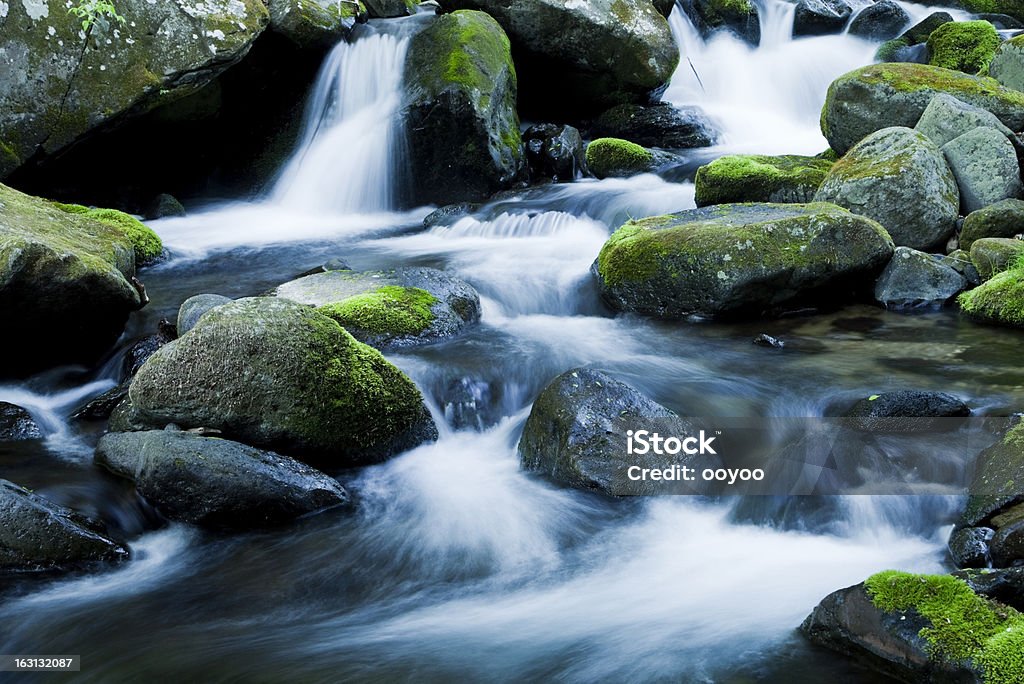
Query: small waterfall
{"x":349,"y":156}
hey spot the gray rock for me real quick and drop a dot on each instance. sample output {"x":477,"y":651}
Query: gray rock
{"x":995,"y":255}
{"x":908,"y":411}
{"x":1007,"y":65}
{"x":946,"y":118}
{"x":969,"y":547}
{"x":37,"y":535}
{"x":899,"y":178}
{"x":661,"y":125}
{"x":16,"y":424}
{"x":960,"y":261}
{"x":985,"y":166}
{"x":554,"y":152}
{"x":1000,"y":220}
{"x":193,"y":308}
{"x":820,"y":17}
{"x":915,"y":279}
{"x":880,"y":21}
{"x":215,"y":482}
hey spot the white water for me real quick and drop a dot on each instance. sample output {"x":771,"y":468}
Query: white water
{"x":51,"y":410}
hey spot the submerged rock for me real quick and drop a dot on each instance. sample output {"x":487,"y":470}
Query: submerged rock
{"x":16,"y":424}
{"x":995,"y":255}
{"x":215,"y":482}
{"x":966,"y":46}
{"x":739,"y":258}
{"x":554,"y":152}
{"x":881,"y":21}
{"x":914,"y":279}
{"x":820,"y":17}
{"x":660,"y":125}
{"x":759,"y":178}
{"x":1000,"y":220}
{"x":613,"y":157}
{"x":907,"y":411}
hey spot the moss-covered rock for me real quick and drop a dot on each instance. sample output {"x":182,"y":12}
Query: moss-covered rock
{"x":883,"y":95}
{"x":611,"y":157}
{"x":892,"y":50}
{"x":65,"y":282}
{"x":966,"y":46}
{"x":61,"y":83}
{"x":1000,"y":220}
{"x":277,"y":374}
{"x":995,"y":255}
{"x":740,"y":259}
{"x":147,"y":244}
{"x":740,"y":17}
{"x":315,"y":23}
{"x":460,"y":110}
{"x":758,"y":178}
{"x":1007,"y":64}
{"x":386,"y":9}
{"x":999,"y":300}
{"x":1010,"y":8}
{"x":389,"y":311}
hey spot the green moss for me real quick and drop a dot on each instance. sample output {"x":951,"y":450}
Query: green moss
{"x":720,"y":11}
{"x":389,"y":310}
{"x":146,"y":243}
{"x":909,"y":78}
{"x":617,"y":157}
{"x":888,"y":50}
{"x":757,"y":178}
{"x":998,"y":300}
{"x":966,"y":46}
{"x":1013,"y":8}
{"x":963,"y":625}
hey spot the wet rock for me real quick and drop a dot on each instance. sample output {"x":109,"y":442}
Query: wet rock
{"x":664,"y":7}
{"x":968,"y":546}
{"x":554,"y":152}
{"x":880,"y":21}
{"x":387,"y":9}
{"x":1007,"y":544}
{"x":37,"y":535}
{"x":314,"y":23}
{"x":661,"y":125}
{"x":16,"y":424}
{"x":163,"y":206}
{"x":991,"y":256}
{"x":760,"y":178}
{"x":914,"y":279}
{"x":1007,"y":64}
{"x":764,"y":340}
{"x":277,"y":374}
{"x":195,"y":307}
{"x":616,"y":158}
{"x":899,"y":178}
{"x":740,"y":18}
{"x":215,"y":482}
{"x":736,"y":259}
{"x":1000,"y":220}
{"x":908,"y":411}
{"x":985,"y":166}
{"x":960,"y":261}
{"x":1005,"y":585}
{"x":915,"y":35}
{"x":449,"y":214}
{"x":820,"y":17}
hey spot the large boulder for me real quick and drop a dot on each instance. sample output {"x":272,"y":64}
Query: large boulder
{"x":66,"y":283}
{"x":1000,"y":220}
{"x":277,"y":374}
{"x":460,"y":110}
{"x":914,"y":279}
{"x":881,"y":21}
{"x":995,"y":255}
{"x":315,"y":23}
{"x":216,"y":482}
{"x":739,"y":258}
{"x":660,"y":125}
{"x":984,"y":163}
{"x":37,"y":535}
{"x":59,"y":82}
{"x":16,"y":424}
{"x":884,"y":95}
{"x":966,"y":46}
{"x":398,"y":308}
{"x":759,"y":178}
{"x":999,"y":300}
{"x":579,"y":58}
{"x":1007,"y":65}
{"x":947,"y":118}
{"x":820,"y":17}
{"x":899,"y":178}
{"x":740,"y":17}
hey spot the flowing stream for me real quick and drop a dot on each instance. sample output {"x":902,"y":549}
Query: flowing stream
{"x":458,"y":565}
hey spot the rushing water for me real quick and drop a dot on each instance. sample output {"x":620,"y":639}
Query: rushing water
{"x":457,"y":563}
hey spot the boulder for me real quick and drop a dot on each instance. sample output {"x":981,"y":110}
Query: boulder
{"x":460,"y":110}
{"x":576,"y":433}
{"x":1007,"y":64}
{"x":881,"y":21}
{"x":739,"y":259}
{"x":1000,"y":220}
{"x":884,"y":95}
{"x":386,"y":9}
{"x":215,"y":482}
{"x":999,"y":300}
{"x":614,"y":157}
{"x":195,"y":307}
{"x":759,"y":178}
{"x":820,"y":17}
{"x":16,"y":424}
{"x":966,"y":46}
{"x":984,"y":163}
{"x":399,"y":308}
{"x":59,"y":83}
{"x":37,"y":535}
{"x":314,"y":23}
{"x":914,"y":279}
{"x":907,"y":411}
{"x":277,"y":374}
{"x":992,"y":256}
{"x":899,"y":178}
{"x":554,"y":152}
{"x":740,"y":17}
{"x":947,"y":118}
{"x":661,"y":125}
{"x":915,"y":35}
{"x":577,"y":59}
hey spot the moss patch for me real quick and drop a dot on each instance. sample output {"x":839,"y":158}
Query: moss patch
{"x":966,"y":46}
{"x":964,"y":625}
{"x":998,"y":300}
{"x":389,"y":310}
{"x":757,"y":178}
{"x":144,"y":241}
{"x":616,"y":157}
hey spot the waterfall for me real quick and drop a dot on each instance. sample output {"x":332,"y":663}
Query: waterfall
{"x":348,"y":159}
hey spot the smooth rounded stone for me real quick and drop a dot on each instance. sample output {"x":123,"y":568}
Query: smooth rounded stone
{"x":65,"y":282}
{"x":616,"y":158}
{"x":760,"y":178}
{"x":277,"y":374}
{"x":448,"y":215}
{"x":899,"y":178}
{"x":163,"y":206}
{"x":57,"y":86}
{"x":913,"y":36}
{"x":195,"y":307}
{"x":214,"y":482}
{"x":907,"y":411}
{"x":1000,"y":220}
{"x":16,"y":424}
{"x":880,"y":21}
{"x":995,"y":255}
{"x":662,"y":125}
{"x":947,"y":118}
{"x":576,"y":433}
{"x":999,"y":300}
{"x":388,"y":9}
{"x":969,"y":547}
{"x":576,"y":59}
{"x":914,"y":279}
{"x":1007,"y":64}
{"x":966,"y":46}
{"x":985,"y":166}
{"x":461,"y":124}
{"x":885,"y":95}
{"x":960,"y":261}
{"x":315,"y":23}
{"x":37,"y":535}
{"x":740,"y":17}
{"x":554,"y":152}
{"x":1007,"y":546}
{"x":820,"y":17}
{"x":455,"y":303}
{"x":735,"y":259}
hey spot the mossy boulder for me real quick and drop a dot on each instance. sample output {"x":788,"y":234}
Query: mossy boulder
{"x":740,"y":17}
{"x":999,"y":300}
{"x":1000,"y":220}
{"x":661,"y":125}
{"x":460,"y":110}
{"x":577,"y":59}
{"x":759,"y":178}
{"x":65,"y":282}
{"x":388,"y":309}
{"x":147,"y":244}
{"x":899,"y":178}
{"x":279,"y":375}
{"x":60,"y":83}
{"x":315,"y":23}
{"x":1007,"y":8}
{"x":882,"y":20}
{"x":1007,"y":64}
{"x":614,"y":157}
{"x":893,"y":50}
{"x":884,"y":95}
{"x":740,"y":259}
{"x":966,"y":46}
{"x":995,"y":255}
{"x":386,"y":9}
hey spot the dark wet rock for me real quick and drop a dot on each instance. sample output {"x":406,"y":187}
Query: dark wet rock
{"x":1000,"y":220}
{"x":915,"y":35}
{"x":16,"y":424}
{"x":969,"y":547}
{"x":554,"y":152}
{"x":880,"y":21}
{"x":102,"y":407}
{"x":908,"y":411}
{"x":163,"y":206}
{"x":740,"y":18}
{"x":1007,"y":544}
{"x":449,"y":214}
{"x":764,"y":340}
{"x":1005,"y":585}
{"x":662,"y":125}
{"x":195,"y":307}
{"x":820,"y":17}
{"x":215,"y":482}
{"x":914,"y":279}
{"x":315,"y":24}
